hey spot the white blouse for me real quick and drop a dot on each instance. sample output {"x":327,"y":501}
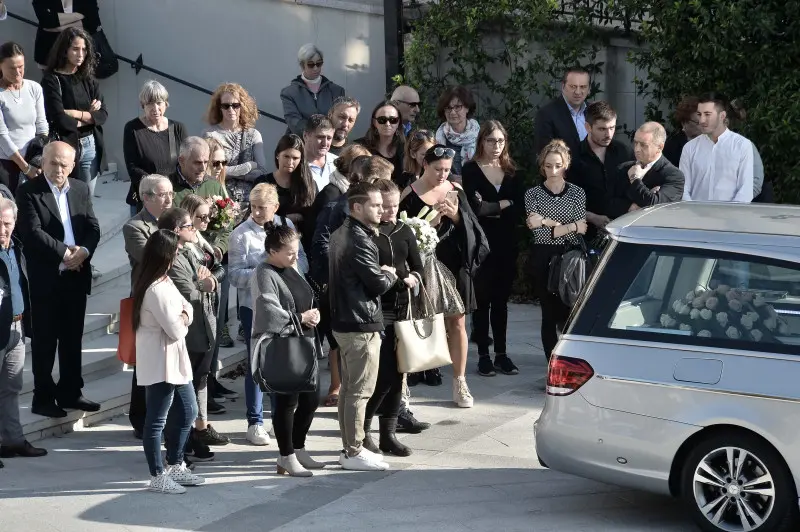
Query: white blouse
{"x":161,"y":354}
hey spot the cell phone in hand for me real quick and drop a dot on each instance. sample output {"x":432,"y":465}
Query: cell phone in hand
{"x":452,"y":196}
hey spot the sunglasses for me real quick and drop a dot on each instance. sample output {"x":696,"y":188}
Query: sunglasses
{"x":383,"y":120}
{"x":218,"y":164}
{"x":312,"y":64}
{"x":423,"y":134}
{"x":411,"y":104}
{"x":447,"y":153}
{"x":204,"y":218}
{"x":186,"y":226}
{"x":227,"y":106}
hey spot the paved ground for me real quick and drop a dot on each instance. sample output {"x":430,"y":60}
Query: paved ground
{"x":473,"y":470}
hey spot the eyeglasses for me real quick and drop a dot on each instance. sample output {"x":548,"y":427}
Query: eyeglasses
{"x":423,"y":134}
{"x":496,"y":142}
{"x":312,"y":64}
{"x":162,"y":195}
{"x":454,"y":108}
{"x":186,"y":226}
{"x":203,"y":218}
{"x":236,"y":106}
{"x":382,"y":120}
{"x":447,"y":153}
{"x":411,"y":104}
{"x":218,"y":164}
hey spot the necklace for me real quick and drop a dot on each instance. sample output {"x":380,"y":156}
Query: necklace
{"x":18,"y":97}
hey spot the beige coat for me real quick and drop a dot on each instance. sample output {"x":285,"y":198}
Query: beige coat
{"x":161,"y":354}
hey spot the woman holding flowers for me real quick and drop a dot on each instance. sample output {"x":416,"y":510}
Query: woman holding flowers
{"x":397,"y":247}
{"x":454,"y":222}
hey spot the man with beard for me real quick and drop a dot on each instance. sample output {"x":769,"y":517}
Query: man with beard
{"x":343,"y":115}
{"x":595,"y":166}
{"x":408,"y":103}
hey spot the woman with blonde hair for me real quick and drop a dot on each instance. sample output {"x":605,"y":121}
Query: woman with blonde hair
{"x":556,"y":213}
{"x":217,"y":161}
{"x":232,"y":115}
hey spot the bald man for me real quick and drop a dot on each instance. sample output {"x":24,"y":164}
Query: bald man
{"x":409,"y":104}
{"x":60,"y":233}
{"x":649,"y":180}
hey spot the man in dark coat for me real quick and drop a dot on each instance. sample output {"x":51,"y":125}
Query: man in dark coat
{"x":564,"y":118}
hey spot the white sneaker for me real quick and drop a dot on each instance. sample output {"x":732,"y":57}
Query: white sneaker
{"x":362,"y":462}
{"x":181,"y":474}
{"x":257,"y":435}
{"x":306,"y":461}
{"x":461,"y":395}
{"x":163,"y":483}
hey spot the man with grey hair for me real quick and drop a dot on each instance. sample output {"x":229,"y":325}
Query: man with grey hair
{"x":190,"y":176}
{"x":310,"y":93}
{"x":14,"y":324}
{"x":156,"y":194}
{"x":343,"y":115}
{"x":408,"y":102}
{"x":649,"y":180}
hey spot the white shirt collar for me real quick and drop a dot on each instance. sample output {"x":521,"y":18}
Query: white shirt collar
{"x":55,"y":189}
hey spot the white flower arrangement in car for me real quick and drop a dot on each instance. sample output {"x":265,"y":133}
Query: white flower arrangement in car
{"x":724,"y":312}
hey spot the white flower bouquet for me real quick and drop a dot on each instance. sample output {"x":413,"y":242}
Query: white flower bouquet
{"x":724,"y":312}
{"x":426,"y":235}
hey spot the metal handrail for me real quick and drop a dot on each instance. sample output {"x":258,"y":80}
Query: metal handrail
{"x":138,"y":65}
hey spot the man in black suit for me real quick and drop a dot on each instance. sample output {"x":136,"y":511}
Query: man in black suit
{"x":564,"y":118}
{"x":60,"y":233}
{"x":649,"y":180}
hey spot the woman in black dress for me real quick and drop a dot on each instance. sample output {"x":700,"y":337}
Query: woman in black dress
{"x":557,"y":216}
{"x":433,"y":189}
{"x":150,"y":142}
{"x":495,"y":195}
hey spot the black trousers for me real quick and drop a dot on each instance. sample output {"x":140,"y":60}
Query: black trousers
{"x":138,"y":409}
{"x":554,"y":311}
{"x":388,"y":394}
{"x":58,"y":328}
{"x":493,"y":284}
{"x":292,"y":419}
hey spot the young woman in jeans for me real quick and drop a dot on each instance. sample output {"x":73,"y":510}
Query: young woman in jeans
{"x":277,"y":290}
{"x":161,"y":318}
{"x":73,"y":103}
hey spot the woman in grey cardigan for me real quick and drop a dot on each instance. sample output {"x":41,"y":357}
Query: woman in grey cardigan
{"x":279,"y":291}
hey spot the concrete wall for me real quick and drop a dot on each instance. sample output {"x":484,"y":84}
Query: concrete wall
{"x":207,"y":42}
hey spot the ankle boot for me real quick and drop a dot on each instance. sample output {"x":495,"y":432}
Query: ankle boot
{"x":389,"y":443}
{"x":369,"y":443}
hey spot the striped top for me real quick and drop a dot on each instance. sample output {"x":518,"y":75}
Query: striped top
{"x":566,"y":207}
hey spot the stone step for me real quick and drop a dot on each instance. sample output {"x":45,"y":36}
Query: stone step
{"x":112,"y":391}
{"x":109,"y":206}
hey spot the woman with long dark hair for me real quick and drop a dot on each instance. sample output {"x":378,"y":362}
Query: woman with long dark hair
{"x":73,"y":103}
{"x":495,"y":195}
{"x":295,"y":184}
{"x":161,"y":319}
{"x":385,"y":135}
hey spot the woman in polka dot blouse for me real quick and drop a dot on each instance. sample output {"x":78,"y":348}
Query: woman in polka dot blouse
{"x":556,"y":213}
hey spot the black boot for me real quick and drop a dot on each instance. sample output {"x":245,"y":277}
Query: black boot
{"x":389,"y":443}
{"x":369,"y":443}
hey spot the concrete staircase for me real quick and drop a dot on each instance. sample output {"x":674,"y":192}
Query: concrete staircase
{"x":106,"y":379}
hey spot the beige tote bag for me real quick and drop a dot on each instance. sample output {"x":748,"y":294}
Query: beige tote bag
{"x":421,"y":341}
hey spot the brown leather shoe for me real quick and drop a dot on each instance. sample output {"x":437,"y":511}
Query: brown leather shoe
{"x":24,"y":449}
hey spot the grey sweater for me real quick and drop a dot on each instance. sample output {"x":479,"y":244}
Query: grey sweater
{"x":21,"y":118}
{"x":273,"y":303}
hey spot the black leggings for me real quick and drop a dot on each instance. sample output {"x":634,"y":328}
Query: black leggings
{"x":493,"y":285}
{"x":554,"y":311}
{"x":388,"y":394}
{"x":292,"y":419}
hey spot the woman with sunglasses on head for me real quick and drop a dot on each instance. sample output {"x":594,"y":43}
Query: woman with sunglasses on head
{"x":151,"y":141}
{"x":458,"y":131}
{"x":495,"y":195}
{"x":451,"y":287}
{"x":310,"y":93}
{"x":232,"y":114}
{"x":199,"y":287}
{"x":417,"y":143}
{"x":385,"y":136}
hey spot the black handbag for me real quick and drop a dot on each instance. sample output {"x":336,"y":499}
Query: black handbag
{"x":107,"y":62}
{"x":568,"y":273}
{"x":287,"y":363}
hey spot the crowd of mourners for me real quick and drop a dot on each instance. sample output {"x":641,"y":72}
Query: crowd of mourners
{"x":310,"y":243}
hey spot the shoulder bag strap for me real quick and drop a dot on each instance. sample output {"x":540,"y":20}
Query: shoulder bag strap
{"x":173,"y":145}
{"x":241,"y":148}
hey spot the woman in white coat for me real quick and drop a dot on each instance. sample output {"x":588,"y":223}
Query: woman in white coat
{"x":161,"y":318}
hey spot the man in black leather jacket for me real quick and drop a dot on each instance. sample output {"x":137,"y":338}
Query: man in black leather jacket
{"x":357,"y":282}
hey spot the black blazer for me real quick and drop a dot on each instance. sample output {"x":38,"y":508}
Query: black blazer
{"x":6,"y":312}
{"x":554,"y":121}
{"x":47,"y":12}
{"x":41,"y":231}
{"x":662,"y":174}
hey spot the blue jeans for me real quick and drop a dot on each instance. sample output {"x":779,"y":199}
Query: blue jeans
{"x":253,"y":396}
{"x":88,"y":164}
{"x":175,"y":405}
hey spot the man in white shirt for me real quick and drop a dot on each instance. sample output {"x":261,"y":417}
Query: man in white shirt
{"x":718,"y":165}
{"x":317,"y":138}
